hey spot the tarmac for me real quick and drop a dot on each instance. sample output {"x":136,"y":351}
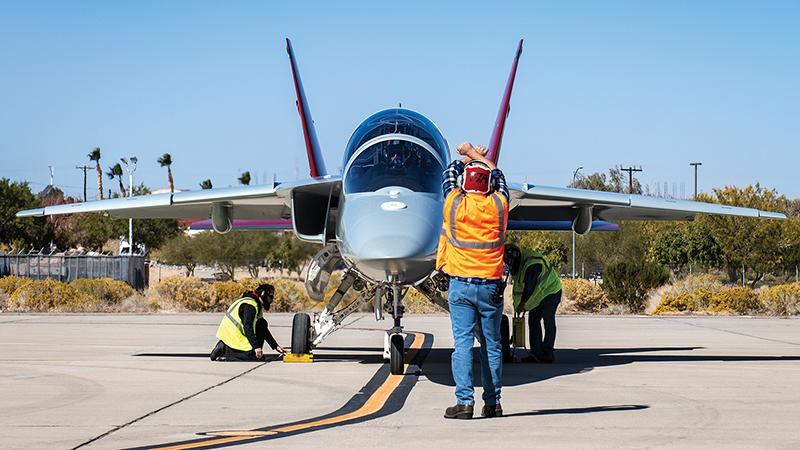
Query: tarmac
{"x":122,"y":381}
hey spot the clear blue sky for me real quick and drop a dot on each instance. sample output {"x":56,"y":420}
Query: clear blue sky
{"x":600,"y":83}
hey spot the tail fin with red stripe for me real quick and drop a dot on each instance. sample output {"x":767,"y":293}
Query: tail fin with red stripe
{"x":502,"y":114}
{"x":316,"y":163}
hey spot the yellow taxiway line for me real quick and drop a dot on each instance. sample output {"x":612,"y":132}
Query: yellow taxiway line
{"x":373,"y":404}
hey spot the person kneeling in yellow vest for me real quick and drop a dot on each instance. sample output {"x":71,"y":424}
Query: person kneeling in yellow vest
{"x":243,"y":329}
{"x":537,"y":290}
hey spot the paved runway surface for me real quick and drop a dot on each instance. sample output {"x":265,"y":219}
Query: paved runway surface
{"x":118,"y":381}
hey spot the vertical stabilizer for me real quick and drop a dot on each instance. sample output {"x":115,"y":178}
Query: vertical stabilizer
{"x":316,"y":163}
{"x":502,"y":114}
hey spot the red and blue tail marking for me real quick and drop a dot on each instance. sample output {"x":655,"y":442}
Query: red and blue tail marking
{"x":505,"y":107}
{"x":316,"y":163}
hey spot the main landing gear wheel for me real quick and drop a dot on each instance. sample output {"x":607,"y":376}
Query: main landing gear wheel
{"x":301,"y":332}
{"x":505,"y":339}
{"x":396,"y":354}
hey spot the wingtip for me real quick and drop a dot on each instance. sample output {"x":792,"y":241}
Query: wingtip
{"x":771,"y":215}
{"x":288,"y":45}
{"x":519,"y":48}
{"x":38,"y":212}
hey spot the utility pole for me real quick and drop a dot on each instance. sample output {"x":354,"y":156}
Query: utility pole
{"x":84,"y":169}
{"x":630,"y":171}
{"x":131,"y":167}
{"x":695,"y":164}
{"x":52,"y":173}
{"x":574,"y":272}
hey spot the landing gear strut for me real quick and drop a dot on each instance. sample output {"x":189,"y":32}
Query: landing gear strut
{"x":308,"y":332}
{"x":394,"y":344}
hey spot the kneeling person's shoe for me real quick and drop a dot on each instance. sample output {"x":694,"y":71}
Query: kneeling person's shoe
{"x":218,"y":351}
{"x":459,"y":412}
{"x":492,"y":411}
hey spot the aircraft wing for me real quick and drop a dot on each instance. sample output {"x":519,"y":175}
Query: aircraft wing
{"x":533,"y":202}
{"x":265,"y":202}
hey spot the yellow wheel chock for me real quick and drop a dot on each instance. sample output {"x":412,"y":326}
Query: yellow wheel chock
{"x":298,"y":358}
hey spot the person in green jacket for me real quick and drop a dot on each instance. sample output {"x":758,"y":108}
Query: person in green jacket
{"x":536,"y":289}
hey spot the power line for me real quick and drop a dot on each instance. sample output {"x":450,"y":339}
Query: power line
{"x":84,"y":168}
{"x":630,"y":171}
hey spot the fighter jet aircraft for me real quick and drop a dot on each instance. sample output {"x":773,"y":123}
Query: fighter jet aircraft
{"x":382,"y":217}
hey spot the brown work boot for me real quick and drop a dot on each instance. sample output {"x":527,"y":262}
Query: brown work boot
{"x":459,"y":412}
{"x":492,"y":411}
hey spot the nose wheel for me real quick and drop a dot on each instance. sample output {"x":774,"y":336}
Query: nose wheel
{"x":301,"y":334}
{"x":397,"y":354}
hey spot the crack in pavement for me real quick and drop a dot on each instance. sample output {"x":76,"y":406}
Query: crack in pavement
{"x":733,"y":332}
{"x":156,"y":411}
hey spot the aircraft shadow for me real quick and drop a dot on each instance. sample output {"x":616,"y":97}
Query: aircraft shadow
{"x":573,"y":361}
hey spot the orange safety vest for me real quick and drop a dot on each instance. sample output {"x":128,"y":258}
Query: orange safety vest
{"x":473,"y":230}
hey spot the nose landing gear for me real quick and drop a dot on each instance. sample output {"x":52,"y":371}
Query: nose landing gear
{"x":394,"y":342}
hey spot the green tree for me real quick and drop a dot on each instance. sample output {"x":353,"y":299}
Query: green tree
{"x":628,"y":282}
{"x":245,"y":178}
{"x":166,"y":161}
{"x":94,"y":155}
{"x":552,"y":245}
{"x":681,"y":246}
{"x":93,"y":230}
{"x":179,"y":251}
{"x":750,"y":244}
{"x":206,"y":184}
{"x":89,"y":230}
{"x":15,"y":231}
{"x":599,"y":249}
{"x":115,"y":171}
{"x":616,"y":181}
{"x":291,"y":253}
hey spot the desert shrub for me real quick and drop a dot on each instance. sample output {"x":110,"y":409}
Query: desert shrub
{"x":581,"y":296}
{"x":699,"y":287}
{"x":11,"y":283}
{"x":188,"y":293}
{"x":737,"y":300}
{"x":51,"y":295}
{"x":683,"y":302}
{"x":137,"y":304}
{"x":290,"y":296}
{"x":228,"y":291}
{"x":417,"y":303}
{"x":781,"y":300}
{"x":107,"y":291}
{"x":627,"y":283}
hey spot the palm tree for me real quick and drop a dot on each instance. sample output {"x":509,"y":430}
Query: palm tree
{"x":95,"y":156}
{"x":115,"y":171}
{"x":206,"y":184}
{"x":245,"y":178}
{"x":166,"y":160}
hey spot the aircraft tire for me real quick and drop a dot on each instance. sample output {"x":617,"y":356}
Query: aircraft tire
{"x":396,"y":354}
{"x":301,"y":329}
{"x":505,"y":339}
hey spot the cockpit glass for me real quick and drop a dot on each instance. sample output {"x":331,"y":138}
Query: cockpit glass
{"x":394,"y":163}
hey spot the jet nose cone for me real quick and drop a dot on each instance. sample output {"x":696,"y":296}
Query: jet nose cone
{"x":383,"y":233}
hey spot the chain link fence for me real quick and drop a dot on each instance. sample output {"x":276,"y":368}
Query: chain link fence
{"x":133,"y":270}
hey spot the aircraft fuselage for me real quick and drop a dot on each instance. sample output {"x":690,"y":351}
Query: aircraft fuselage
{"x":390,"y":210}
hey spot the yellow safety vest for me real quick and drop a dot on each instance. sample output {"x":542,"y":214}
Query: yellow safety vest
{"x":473,"y":232}
{"x":231,"y":330}
{"x":548,"y":283}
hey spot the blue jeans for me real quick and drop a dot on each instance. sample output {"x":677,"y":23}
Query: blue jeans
{"x":473,"y":313}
